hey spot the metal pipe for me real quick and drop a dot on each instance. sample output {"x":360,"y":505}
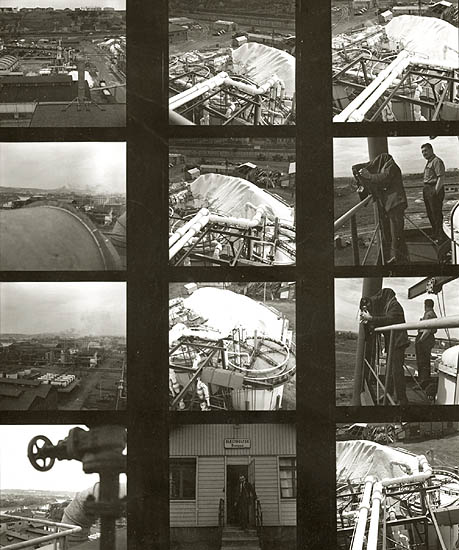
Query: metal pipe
{"x":368,"y":91}
{"x":350,"y":213}
{"x":184,"y":228}
{"x":173,"y":250}
{"x":442,"y":322}
{"x":197,"y":90}
{"x":359,"y":113}
{"x":359,"y":534}
{"x":376,"y":499}
{"x":179,"y":120}
{"x":424,"y":472}
{"x":240,"y":222}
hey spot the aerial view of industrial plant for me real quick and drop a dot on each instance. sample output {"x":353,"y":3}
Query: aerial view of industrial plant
{"x":63,"y":64}
{"x":232,"y":202}
{"x":232,"y":346}
{"x":45,"y":491}
{"x":232,"y":62}
{"x":63,"y":346}
{"x":396,"y":341}
{"x":396,"y":200}
{"x":395,"y":60}
{"x":397,"y":485}
{"x":63,"y":206}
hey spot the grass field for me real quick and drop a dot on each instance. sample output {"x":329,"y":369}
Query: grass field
{"x":444,"y":451}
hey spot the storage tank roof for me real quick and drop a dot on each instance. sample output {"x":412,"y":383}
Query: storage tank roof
{"x":259,"y":62}
{"x":53,"y":237}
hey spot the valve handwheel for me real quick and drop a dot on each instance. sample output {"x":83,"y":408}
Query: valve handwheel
{"x":38,"y":458}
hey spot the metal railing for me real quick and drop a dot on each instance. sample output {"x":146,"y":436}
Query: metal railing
{"x":59,"y":537}
{"x":258,"y":517}
{"x":221,"y":513}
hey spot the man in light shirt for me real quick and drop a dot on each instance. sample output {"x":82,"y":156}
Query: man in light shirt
{"x":433,"y":192}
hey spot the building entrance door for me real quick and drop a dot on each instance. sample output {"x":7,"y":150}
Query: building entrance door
{"x":232,"y":491}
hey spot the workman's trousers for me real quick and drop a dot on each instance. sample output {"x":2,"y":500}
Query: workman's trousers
{"x":434,"y":206}
{"x":397,"y":378}
{"x":392,"y":228}
{"x":423,"y":349}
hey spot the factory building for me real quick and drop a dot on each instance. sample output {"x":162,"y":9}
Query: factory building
{"x":21,"y":394}
{"x":227,"y":26}
{"x":206,"y":462}
{"x":177,"y":34}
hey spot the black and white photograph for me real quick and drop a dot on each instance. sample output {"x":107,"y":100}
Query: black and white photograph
{"x":232,"y":486}
{"x":397,"y":341}
{"x":395,"y":61}
{"x":396,"y":200}
{"x":56,"y":481}
{"x":397,"y":485}
{"x":63,"y":64}
{"x":63,"y":346}
{"x":63,"y":206}
{"x":232,"y":202}
{"x":232,"y":63}
{"x":232,"y":346}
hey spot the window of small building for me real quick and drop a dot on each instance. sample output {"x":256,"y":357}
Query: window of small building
{"x":182,"y":479}
{"x":287,"y":477}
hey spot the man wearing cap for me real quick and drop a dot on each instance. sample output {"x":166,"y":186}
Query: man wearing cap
{"x":434,"y":192}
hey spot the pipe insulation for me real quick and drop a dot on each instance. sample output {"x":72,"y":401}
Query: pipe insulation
{"x":400,"y":60}
{"x":359,"y":533}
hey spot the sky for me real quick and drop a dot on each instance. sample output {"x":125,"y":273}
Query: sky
{"x":89,"y":308}
{"x":405,"y":150}
{"x":349,"y":291}
{"x":101,"y":167}
{"x":60,"y":4}
{"x":16,"y":471}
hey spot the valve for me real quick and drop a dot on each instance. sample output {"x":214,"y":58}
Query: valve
{"x":37,"y":452}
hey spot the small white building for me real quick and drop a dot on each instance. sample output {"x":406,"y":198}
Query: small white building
{"x":206,"y":461}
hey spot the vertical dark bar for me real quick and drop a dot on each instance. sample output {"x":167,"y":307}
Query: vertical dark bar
{"x":355,"y":241}
{"x":147,"y":284}
{"x":315,"y":360}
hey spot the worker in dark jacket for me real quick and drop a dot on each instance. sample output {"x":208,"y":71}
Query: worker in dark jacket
{"x":245,"y":500}
{"x":384,"y":310}
{"x":425,"y":341}
{"x":382,"y":178}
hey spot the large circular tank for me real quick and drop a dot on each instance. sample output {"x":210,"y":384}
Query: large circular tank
{"x":53,"y":237}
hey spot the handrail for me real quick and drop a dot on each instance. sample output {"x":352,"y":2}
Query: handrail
{"x":221,"y":513}
{"x":32,"y":543}
{"x":348,"y":215}
{"x":258,"y":516}
{"x":442,"y":322}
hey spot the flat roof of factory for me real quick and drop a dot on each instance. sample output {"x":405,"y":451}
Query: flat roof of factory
{"x":52,"y":115}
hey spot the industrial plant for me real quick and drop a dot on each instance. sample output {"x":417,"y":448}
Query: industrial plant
{"x":403,"y":208}
{"x":62,"y":67}
{"x":395,"y":61}
{"x":232,"y":202}
{"x":233,"y":486}
{"x":63,"y":487}
{"x":73,"y":218}
{"x":397,"y":485}
{"x":232,"y":346}
{"x":231,"y":63}
{"x":396,"y":341}
{"x":75,"y":358}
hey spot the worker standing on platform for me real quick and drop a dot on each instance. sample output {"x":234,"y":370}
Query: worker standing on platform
{"x":381,"y":310}
{"x":434,"y":192}
{"x":425,"y":341}
{"x":382,"y":178}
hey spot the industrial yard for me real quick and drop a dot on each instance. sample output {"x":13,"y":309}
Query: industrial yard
{"x":397,"y":483}
{"x":66,"y":367}
{"x":232,"y":346}
{"x":232,"y":202}
{"x":395,"y":61}
{"x":71,"y":219}
{"x":62,"y":67}
{"x":362,"y":359}
{"x":361,"y":234}
{"x":230,"y":63}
